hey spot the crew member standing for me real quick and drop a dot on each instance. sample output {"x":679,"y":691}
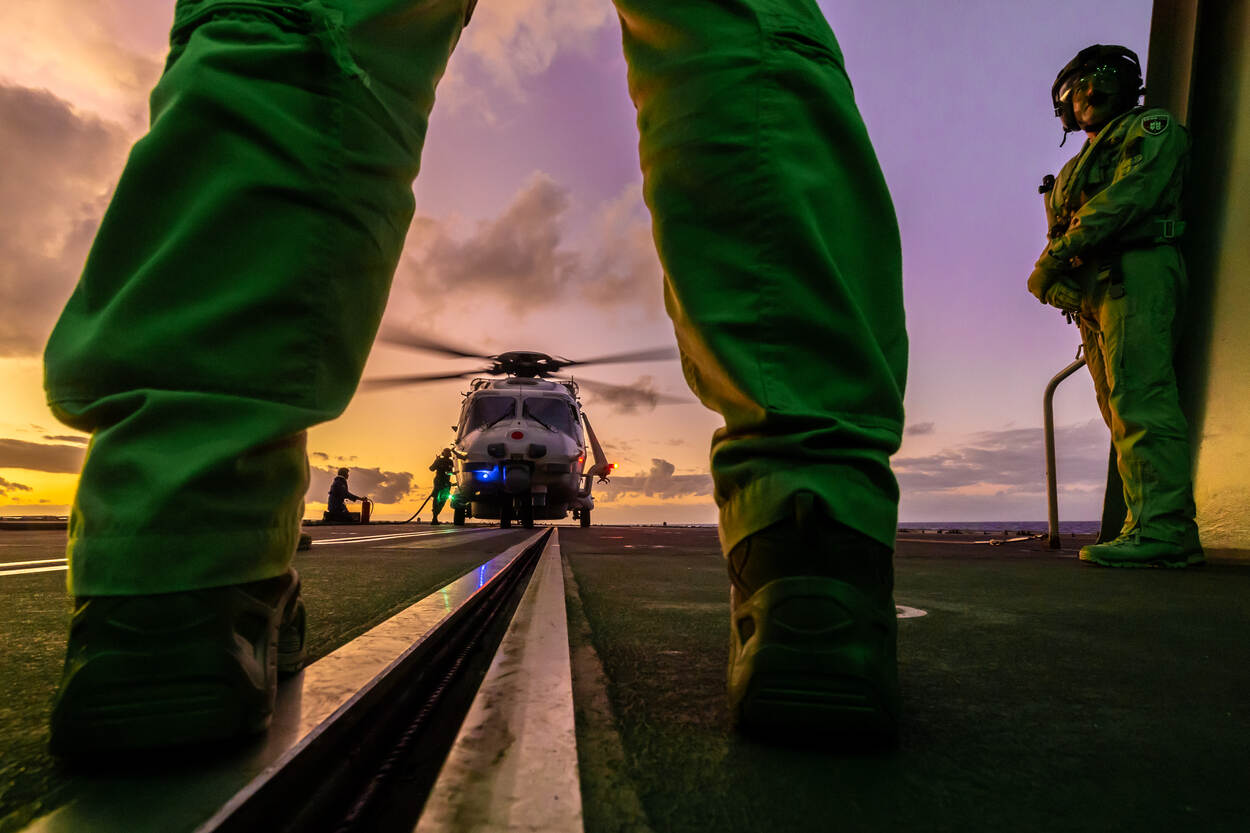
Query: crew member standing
{"x":442,"y":467}
{"x":277,"y":175}
{"x":1113,"y":264}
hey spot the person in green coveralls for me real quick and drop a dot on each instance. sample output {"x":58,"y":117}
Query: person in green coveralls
{"x":263,"y":214}
{"x":442,"y":468}
{"x":1113,"y":263}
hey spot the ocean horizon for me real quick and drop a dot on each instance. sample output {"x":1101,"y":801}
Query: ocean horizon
{"x":1065,"y":527}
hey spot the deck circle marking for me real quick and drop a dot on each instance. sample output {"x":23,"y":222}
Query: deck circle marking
{"x":905,"y":612}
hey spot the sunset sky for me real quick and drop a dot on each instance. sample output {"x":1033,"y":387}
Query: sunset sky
{"x":531,"y":234}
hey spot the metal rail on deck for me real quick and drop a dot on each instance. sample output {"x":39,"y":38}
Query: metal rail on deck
{"x":1048,"y":419}
{"x":334,"y":726}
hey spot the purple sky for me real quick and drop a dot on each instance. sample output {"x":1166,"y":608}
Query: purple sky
{"x":532,"y":141}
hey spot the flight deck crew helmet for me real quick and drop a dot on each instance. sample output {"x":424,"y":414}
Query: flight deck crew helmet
{"x":1116,"y":79}
{"x":343,"y":472}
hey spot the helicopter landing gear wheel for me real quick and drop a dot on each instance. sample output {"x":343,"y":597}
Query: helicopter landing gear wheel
{"x":505,"y":514}
{"x":457,"y":515}
{"x":526,"y":512}
{"x":585,"y":516}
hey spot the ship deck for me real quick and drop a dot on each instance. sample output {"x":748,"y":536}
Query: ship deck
{"x":1040,"y":693}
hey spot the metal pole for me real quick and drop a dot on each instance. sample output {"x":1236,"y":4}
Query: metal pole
{"x":1048,"y":419}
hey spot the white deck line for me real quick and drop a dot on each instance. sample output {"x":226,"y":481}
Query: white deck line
{"x":513,"y":766}
{"x":32,"y":563}
{"x":27,"y":570}
{"x":60,"y":564}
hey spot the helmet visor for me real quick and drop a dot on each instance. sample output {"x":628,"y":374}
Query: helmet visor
{"x":1064,"y":95}
{"x":1102,"y":78}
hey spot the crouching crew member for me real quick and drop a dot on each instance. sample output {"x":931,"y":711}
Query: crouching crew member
{"x":336,"y":506}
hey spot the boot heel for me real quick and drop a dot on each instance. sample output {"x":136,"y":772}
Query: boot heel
{"x":814,"y":655}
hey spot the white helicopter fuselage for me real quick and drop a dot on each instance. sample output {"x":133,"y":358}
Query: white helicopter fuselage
{"x":520,"y":451}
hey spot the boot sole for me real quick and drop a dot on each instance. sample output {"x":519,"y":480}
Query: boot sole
{"x":149,"y":715}
{"x":1178,"y":563}
{"x":793,"y":704}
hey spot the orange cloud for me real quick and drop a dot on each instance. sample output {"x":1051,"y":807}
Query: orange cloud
{"x":104,"y":56}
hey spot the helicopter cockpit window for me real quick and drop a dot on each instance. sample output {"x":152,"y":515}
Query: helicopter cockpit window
{"x":554,"y":414}
{"x":488,"y":410}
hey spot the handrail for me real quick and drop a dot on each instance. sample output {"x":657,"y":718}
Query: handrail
{"x":1048,"y":419}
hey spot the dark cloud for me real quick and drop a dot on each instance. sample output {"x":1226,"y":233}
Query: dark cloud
{"x":8,"y":487}
{"x":618,"y":449}
{"x":60,"y":168}
{"x":522,"y":258}
{"x":19,"y":454}
{"x":67,"y":438}
{"x":919,"y":429}
{"x":625,"y":399}
{"x":379,"y":486}
{"x":516,"y":256}
{"x":319,"y":455}
{"x":1012,"y":461}
{"x":661,"y":481}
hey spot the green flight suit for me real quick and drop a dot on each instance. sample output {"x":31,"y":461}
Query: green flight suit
{"x":238,"y":278}
{"x":442,"y":468}
{"x":1115,"y":216}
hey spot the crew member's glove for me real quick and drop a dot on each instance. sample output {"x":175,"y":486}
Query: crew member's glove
{"x":1065,"y":295}
{"x":1048,"y":271}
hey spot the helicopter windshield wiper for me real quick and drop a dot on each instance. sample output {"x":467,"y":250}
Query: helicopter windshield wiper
{"x":493,"y":423}
{"x":530,"y":414}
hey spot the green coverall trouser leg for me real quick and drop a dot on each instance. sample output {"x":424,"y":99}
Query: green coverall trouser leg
{"x":441,"y":492}
{"x":240,"y":273}
{"x":1130,"y":343}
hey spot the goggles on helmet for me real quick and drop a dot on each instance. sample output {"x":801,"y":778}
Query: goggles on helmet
{"x":1102,"y":78}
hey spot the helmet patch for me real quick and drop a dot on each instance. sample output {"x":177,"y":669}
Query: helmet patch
{"x":1156,"y":124}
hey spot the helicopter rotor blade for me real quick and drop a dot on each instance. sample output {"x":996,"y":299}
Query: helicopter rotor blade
{"x":399,"y":337}
{"x":651,"y":355}
{"x":386,"y":382}
{"x":630,"y":394}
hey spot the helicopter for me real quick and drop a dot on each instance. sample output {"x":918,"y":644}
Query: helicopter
{"x":521,"y":442}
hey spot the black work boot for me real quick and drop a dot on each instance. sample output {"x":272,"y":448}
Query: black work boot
{"x":144,"y":672}
{"x":813,"y":630}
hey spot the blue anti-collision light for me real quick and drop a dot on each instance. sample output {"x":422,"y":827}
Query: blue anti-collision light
{"x":485,"y":474}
